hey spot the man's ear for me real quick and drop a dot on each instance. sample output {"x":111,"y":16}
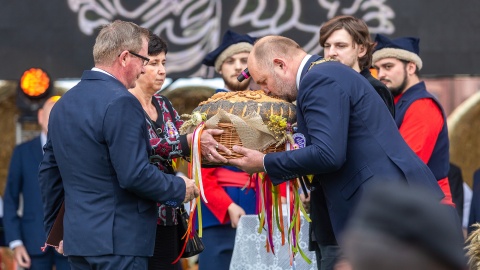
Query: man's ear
{"x":277,"y":62}
{"x":361,"y":51}
{"x":411,"y":68}
{"x":123,"y":58}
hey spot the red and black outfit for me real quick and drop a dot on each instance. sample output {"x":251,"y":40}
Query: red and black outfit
{"x":421,"y":122}
{"x":167,"y":144}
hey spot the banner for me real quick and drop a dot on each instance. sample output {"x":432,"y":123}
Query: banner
{"x":58,"y":35}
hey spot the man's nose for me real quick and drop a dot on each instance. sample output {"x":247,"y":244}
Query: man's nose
{"x":238,"y":65}
{"x":380,"y":73}
{"x":331,"y":52}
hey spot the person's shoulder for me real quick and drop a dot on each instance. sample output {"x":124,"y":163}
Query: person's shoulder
{"x":376,"y":83}
{"x":160,"y":98}
{"x":28,"y":143}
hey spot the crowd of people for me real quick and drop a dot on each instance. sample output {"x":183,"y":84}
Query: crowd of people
{"x":377,"y":148}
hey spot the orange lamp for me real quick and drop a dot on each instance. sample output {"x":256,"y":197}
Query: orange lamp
{"x":35,"y":82}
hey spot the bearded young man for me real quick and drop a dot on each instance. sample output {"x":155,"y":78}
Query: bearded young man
{"x":227,"y":202}
{"x":419,"y":116}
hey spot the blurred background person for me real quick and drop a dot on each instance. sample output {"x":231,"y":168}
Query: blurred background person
{"x":397,"y":227}
{"x":25,"y":233}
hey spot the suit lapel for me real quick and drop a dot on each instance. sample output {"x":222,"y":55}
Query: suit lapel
{"x":313,"y":58}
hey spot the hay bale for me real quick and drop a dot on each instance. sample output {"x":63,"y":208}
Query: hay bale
{"x":464,"y":130}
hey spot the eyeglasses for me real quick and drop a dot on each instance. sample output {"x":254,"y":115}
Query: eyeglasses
{"x":145,"y":59}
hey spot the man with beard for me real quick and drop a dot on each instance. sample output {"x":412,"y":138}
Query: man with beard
{"x":227,"y":202}
{"x":351,"y":143}
{"x":419,"y":116}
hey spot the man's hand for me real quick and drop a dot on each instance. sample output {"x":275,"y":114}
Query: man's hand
{"x":251,"y":162}
{"x":191,"y":190}
{"x":305,"y":201}
{"x":210,"y":146}
{"x":59,"y":249}
{"x":235,"y":212}
{"x":21,"y":256}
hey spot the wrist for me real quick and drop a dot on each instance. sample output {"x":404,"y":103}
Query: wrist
{"x":189,"y":139}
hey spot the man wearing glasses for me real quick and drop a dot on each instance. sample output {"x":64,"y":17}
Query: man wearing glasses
{"x":145,"y":59}
{"x":96,"y":161}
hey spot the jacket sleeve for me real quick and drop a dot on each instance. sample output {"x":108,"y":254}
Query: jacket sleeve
{"x":325,"y":108}
{"x":51,"y":186}
{"x":126,"y":136}
{"x":11,"y":220}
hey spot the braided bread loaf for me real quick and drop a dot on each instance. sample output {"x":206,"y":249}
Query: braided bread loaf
{"x":243,"y":103}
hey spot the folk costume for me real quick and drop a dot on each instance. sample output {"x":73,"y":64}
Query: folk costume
{"x":418,"y":114}
{"x":223,"y":185}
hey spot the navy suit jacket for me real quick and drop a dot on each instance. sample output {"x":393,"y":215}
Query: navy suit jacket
{"x":352,"y":143}
{"x":23,"y":179}
{"x":96,"y":159}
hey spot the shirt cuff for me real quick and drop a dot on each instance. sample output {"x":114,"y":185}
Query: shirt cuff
{"x":184,"y":143}
{"x":263,"y":161}
{"x":15,"y":243}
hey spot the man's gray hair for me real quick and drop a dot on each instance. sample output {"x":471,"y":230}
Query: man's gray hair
{"x":116,"y":37}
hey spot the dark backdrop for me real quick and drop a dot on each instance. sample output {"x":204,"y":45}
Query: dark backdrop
{"x":48,"y":33}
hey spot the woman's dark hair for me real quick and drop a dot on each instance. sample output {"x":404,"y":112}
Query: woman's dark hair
{"x":156,"y":45}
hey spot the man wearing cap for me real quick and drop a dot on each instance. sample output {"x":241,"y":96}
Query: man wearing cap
{"x":419,"y":116}
{"x":227,"y":202}
{"x":230,"y":59}
{"x":25,"y":234}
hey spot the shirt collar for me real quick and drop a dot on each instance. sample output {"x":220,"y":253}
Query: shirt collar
{"x":43,"y":139}
{"x":300,"y":69}
{"x":103,"y":71}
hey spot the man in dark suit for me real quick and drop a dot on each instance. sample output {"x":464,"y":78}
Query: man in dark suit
{"x":24,"y":233}
{"x":352,"y":142}
{"x":96,"y":161}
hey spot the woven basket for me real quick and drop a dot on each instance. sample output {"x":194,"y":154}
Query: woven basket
{"x":230,"y":137}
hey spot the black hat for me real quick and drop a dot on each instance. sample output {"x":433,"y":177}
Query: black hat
{"x":404,"y":48}
{"x":412,"y":216}
{"x":232,"y":43}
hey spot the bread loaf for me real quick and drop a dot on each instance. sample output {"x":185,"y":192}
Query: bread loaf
{"x":244,"y":103}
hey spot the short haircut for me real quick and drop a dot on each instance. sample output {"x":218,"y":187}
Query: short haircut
{"x":116,"y":37}
{"x":271,"y":46}
{"x":156,"y":45}
{"x":357,"y":29}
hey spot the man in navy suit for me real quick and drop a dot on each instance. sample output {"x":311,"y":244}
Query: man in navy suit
{"x":97,"y":161}
{"x":25,"y":234}
{"x":352,"y":142}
